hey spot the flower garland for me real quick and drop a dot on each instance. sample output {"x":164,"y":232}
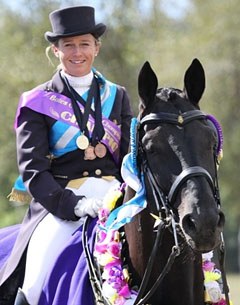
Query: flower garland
{"x":107,"y":252}
{"x":115,"y":277}
{"x":212,"y":281}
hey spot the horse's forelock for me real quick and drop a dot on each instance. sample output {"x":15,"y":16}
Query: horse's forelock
{"x":168,"y":94}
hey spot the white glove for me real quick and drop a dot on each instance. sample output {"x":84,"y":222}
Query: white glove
{"x":88,"y":206}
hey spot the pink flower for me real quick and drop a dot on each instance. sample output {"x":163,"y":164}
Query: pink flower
{"x":221,"y":302}
{"x":125,"y":292}
{"x":114,"y":249}
{"x":115,"y":263}
{"x":208,"y":266}
{"x":101,"y":236}
{"x":101,"y":247}
{"x":102,"y":215}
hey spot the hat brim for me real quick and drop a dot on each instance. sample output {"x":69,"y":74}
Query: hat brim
{"x":97,"y":31}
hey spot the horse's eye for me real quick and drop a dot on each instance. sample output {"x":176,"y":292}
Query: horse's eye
{"x":210,"y":138}
{"x":213,"y":136}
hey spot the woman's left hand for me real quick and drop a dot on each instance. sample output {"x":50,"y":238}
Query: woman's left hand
{"x":88,"y":206}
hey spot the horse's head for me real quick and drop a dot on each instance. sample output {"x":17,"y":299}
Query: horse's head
{"x":178,"y":145}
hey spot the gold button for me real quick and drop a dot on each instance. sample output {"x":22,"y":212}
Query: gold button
{"x":85,"y":174}
{"x":98,"y":172}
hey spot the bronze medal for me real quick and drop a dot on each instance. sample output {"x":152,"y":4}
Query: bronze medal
{"x":100,"y":150}
{"x":82,"y":142}
{"x":89,"y":153}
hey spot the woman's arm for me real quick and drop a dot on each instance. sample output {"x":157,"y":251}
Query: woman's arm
{"x":35,"y":167}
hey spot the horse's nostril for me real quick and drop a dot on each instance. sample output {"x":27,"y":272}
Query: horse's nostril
{"x":188,"y":223}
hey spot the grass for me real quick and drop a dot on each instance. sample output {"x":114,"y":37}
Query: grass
{"x":234,"y":285}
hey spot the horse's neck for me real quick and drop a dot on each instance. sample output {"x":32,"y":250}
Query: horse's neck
{"x":183,"y":285}
{"x":140,"y":240}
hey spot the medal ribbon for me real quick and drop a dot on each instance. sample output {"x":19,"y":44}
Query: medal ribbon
{"x":82,"y":118}
{"x":98,"y":131}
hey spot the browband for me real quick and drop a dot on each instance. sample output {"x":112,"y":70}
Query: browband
{"x":173,"y":118}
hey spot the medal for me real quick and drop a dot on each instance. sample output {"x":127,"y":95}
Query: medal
{"x":89,"y":153}
{"x":82,"y":142}
{"x":100,"y":150}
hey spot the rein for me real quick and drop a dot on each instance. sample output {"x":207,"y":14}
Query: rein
{"x":174,"y":253}
{"x":93,"y":277}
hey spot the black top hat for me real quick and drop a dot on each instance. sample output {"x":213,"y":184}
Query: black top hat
{"x":73,"y":21}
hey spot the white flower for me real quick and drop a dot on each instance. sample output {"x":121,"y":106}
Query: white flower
{"x":108,"y":291}
{"x":207,"y":256}
{"x":213,"y":291}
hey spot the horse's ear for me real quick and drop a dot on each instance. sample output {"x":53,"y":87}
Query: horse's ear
{"x":194,"y":81}
{"x":147,"y":84}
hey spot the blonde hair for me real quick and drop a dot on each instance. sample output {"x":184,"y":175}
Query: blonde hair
{"x":47,"y":53}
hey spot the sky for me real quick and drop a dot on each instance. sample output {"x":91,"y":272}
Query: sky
{"x":173,"y":8}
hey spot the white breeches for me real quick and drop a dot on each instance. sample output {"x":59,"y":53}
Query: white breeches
{"x":50,"y":237}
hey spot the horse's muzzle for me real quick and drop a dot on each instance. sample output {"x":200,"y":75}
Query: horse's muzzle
{"x":203,"y":233}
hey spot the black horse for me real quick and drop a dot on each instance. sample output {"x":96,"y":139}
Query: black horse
{"x":176,"y":150}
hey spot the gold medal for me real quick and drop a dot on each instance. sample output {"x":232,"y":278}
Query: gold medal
{"x":89,"y":153}
{"x":82,"y":142}
{"x":100,"y":150}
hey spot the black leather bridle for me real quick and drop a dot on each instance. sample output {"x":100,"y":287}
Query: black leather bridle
{"x":164,"y":202}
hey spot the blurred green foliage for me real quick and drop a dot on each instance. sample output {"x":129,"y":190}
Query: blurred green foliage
{"x":137,"y":31}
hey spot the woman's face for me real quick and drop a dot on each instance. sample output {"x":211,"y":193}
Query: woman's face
{"x":76,"y":54}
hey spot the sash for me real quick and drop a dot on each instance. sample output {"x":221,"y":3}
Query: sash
{"x":59,"y":107}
